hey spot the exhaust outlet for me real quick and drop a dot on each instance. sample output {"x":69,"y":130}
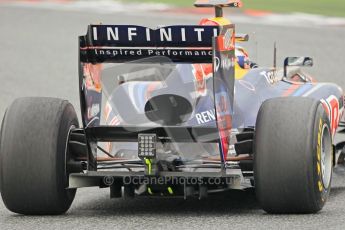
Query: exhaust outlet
{"x":168,"y":109}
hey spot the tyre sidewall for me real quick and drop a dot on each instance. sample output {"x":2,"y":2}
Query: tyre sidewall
{"x":67,"y":122}
{"x":320,"y":191}
{"x":285,"y":158}
{"x":34,"y":140}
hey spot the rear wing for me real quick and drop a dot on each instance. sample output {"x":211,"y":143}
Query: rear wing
{"x":186,"y":44}
{"x":123,"y":43}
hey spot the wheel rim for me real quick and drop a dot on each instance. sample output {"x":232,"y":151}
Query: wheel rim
{"x":326,"y":156}
{"x":67,"y":149}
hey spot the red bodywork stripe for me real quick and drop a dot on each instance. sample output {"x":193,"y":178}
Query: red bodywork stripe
{"x":291,"y":90}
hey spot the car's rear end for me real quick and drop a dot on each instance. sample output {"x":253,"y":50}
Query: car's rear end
{"x":157,"y":110}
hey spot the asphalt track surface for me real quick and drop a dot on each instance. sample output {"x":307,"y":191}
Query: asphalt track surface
{"x":38,"y":57}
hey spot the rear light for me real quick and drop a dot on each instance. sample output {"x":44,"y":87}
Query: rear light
{"x":147,"y":145}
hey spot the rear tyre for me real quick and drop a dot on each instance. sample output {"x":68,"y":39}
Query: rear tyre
{"x":293,"y":156}
{"x":33,"y":153}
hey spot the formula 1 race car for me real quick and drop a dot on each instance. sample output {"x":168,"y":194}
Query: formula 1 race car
{"x":175,"y":111}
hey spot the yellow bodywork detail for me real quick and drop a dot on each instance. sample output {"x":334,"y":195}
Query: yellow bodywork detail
{"x":148,"y":163}
{"x":239,"y":72}
{"x":221,"y":21}
{"x":320,"y":186}
{"x":318,"y":168}
{"x":171,"y":192}
{"x":149,"y":191}
{"x":149,"y":166}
